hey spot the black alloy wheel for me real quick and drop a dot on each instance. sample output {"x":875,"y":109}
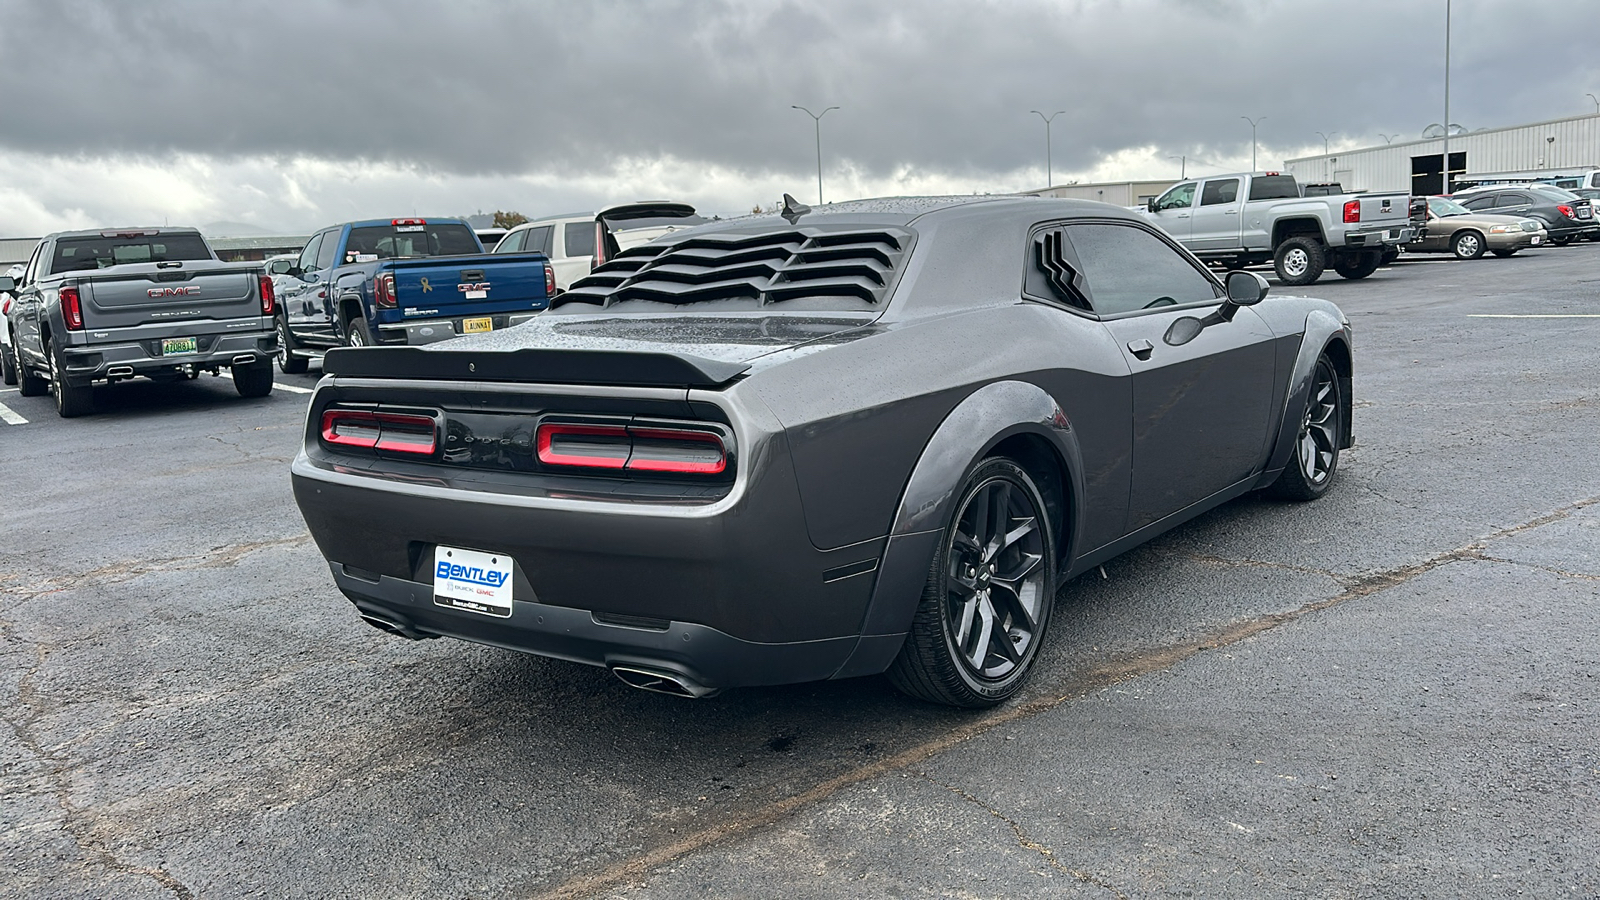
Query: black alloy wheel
{"x":1316,"y":450}
{"x":287,"y":361}
{"x":988,"y":597}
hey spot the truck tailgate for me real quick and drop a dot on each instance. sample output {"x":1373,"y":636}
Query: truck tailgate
{"x":1380,"y":209}
{"x":143,"y":294}
{"x":457,"y":285}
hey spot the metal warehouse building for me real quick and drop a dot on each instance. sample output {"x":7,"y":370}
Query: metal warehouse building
{"x":1416,"y":166}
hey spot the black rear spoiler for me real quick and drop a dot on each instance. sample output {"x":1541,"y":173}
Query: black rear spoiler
{"x":534,"y":366}
{"x":645,"y":214}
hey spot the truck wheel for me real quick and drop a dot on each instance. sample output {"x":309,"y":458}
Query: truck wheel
{"x":1467,"y":244}
{"x":287,"y":361}
{"x":1299,"y":260}
{"x":1389,"y":256}
{"x":1357,"y":265}
{"x":29,"y":384}
{"x":254,"y":380}
{"x":356,"y":332}
{"x":8,"y":365}
{"x":71,"y":402}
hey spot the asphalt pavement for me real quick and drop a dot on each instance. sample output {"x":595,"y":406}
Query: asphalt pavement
{"x":1386,"y":693}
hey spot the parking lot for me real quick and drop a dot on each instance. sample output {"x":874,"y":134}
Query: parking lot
{"x":1388,"y":692}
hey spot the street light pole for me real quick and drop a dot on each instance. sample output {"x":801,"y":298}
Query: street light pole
{"x":1325,"y":138}
{"x":1049,"y":179}
{"x":1446,"y":155}
{"x":1253,"y":124}
{"x":1596,"y":103}
{"x":1388,"y":138}
{"x":1183,"y":166}
{"x":817,"y":119}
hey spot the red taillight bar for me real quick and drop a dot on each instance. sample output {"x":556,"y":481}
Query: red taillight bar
{"x":383,"y":285}
{"x":679,"y":451}
{"x":268,"y":298}
{"x":1352,"y":211}
{"x":408,"y":221}
{"x":71,"y":309}
{"x":366,"y":429}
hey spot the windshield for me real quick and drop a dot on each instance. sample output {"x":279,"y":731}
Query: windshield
{"x":1442,"y":207}
{"x":407,"y":241}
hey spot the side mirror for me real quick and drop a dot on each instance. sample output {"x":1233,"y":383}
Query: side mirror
{"x":7,"y":283}
{"x":1150,"y":204}
{"x":1246,"y":288}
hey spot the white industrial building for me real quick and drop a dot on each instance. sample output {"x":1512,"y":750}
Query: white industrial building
{"x":1415,"y":166}
{"x":1119,"y":193}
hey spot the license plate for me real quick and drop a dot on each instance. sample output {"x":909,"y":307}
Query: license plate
{"x":472,"y":581}
{"x":169,"y":346}
{"x":473,"y":326}
{"x":1537,"y":240}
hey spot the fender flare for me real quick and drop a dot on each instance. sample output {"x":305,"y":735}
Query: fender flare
{"x":986,"y":417}
{"x":1323,"y":329}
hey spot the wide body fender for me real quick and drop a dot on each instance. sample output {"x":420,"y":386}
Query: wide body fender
{"x":983,"y":420}
{"x":1323,"y":330}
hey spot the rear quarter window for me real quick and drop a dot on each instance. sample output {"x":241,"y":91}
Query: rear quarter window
{"x":578,"y":238}
{"x":1273,"y":187}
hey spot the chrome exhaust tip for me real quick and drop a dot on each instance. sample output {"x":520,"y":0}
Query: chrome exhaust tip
{"x":244,"y":359}
{"x":663,"y":682}
{"x":119,"y":372}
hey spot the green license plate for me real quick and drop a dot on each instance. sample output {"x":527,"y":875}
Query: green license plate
{"x":170,"y":346}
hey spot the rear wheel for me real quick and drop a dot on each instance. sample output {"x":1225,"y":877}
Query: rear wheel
{"x":356,"y":332}
{"x":1299,"y":260}
{"x":29,"y":382}
{"x":287,"y":361}
{"x":1467,"y":245}
{"x":1358,"y":265}
{"x":1316,"y":450}
{"x":253,"y":380}
{"x":1561,"y":241}
{"x":71,"y":401}
{"x":988,"y":596}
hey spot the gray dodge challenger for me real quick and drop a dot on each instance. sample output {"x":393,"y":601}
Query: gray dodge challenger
{"x":871,"y":437}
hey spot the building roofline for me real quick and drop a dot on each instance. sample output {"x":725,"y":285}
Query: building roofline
{"x":1334,"y":155}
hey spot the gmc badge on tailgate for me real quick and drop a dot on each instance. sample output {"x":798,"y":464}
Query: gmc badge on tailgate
{"x":174,"y":292}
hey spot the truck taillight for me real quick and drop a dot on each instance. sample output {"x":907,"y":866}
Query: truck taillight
{"x":679,"y":451}
{"x":549,"y":280}
{"x":1352,"y":211}
{"x":368,"y":430}
{"x":1566,"y":210}
{"x":383,"y":286}
{"x":71,"y":309}
{"x":269,"y":301}
{"x":599,"y":246}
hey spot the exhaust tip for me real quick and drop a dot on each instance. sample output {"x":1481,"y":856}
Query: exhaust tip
{"x":119,"y":371}
{"x":663,"y":682}
{"x":244,"y":359}
{"x":389,"y":627}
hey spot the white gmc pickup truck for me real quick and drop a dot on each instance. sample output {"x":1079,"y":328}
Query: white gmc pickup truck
{"x":1253,"y":217}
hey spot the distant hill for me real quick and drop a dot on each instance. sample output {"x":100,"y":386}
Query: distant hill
{"x":235,"y":229}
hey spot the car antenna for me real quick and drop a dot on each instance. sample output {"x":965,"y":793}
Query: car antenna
{"x":793,"y":209}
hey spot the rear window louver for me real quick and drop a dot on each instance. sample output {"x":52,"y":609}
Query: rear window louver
{"x":827,"y":268}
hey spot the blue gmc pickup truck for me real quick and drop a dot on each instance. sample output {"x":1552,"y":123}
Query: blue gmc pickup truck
{"x":402,"y":281}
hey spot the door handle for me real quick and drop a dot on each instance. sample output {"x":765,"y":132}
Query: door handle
{"x":1231,"y":212}
{"x":1183,"y":215}
{"x":1141,"y":348}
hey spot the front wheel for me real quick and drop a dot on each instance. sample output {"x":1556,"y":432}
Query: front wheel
{"x":1299,"y":260}
{"x":8,"y":365}
{"x":1467,"y":245}
{"x":988,"y":596}
{"x":1316,"y":449}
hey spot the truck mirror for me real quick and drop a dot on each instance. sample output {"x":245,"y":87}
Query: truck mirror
{"x":1150,"y":204}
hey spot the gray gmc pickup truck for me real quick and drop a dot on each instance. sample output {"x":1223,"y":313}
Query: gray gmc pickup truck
{"x":105,"y":306}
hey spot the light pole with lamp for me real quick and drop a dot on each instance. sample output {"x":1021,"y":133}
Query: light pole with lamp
{"x":1183,"y":166}
{"x":1596,"y":102}
{"x":1445,"y":157}
{"x":1049,"y":178}
{"x":1253,"y":124}
{"x":817,"y":118}
{"x":1388,"y":138}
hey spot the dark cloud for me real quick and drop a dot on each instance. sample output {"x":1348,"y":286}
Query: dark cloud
{"x":496,"y":88}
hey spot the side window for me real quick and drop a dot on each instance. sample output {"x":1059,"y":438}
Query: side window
{"x":539,"y":239}
{"x":1180,"y":197}
{"x":330,"y":247}
{"x":1054,"y":272}
{"x":32,"y":272}
{"x":308,"y":255}
{"x":1480,"y":202}
{"x":1594,"y":179}
{"x":1513,"y":200}
{"x":578,"y":238}
{"x":1127,"y":269}
{"x":512,"y":242}
{"x":1224,"y":191}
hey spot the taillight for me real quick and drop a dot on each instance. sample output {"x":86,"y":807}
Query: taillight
{"x":383,"y":286}
{"x":631,"y":448}
{"x":367,"y":429}
{"x":1566,"y":210}
{"x":71,"y":309}
{"x":408,"y":221}
{"x":268,"y":299}
{"x":599,"y":246}
{"x":1352,"y":211}
{"x":549,"y":280}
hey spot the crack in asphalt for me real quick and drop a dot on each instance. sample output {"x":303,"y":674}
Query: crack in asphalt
{"x":1123,"y":668}
{"x":1026,"y":842}
{"x":1564,"y":573}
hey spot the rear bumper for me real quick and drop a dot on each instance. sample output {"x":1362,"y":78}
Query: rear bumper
{"x":1379,"y":237}
{"x":85,"y":365}
{"x":428,"y":331}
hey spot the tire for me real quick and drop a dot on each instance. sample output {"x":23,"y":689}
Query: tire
{"x":1299,"y":260}
{"x":287,"y":361}
{"x":964,"y":649}
{"x":1504,"y":254}
{"x":1467,"y":244}
{"x":356,"y":332}
{"x":71,"y":402}
{"x":1389,"y":256}
{"x":1561,"y":241}
{"x":8,"y":366}
{"x":29,"y":383}
{"x":253,"y":380}
{"x":1359,"y":265}
{"x":1316,"y":457}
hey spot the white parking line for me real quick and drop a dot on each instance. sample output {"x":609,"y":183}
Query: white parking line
{"x":292,"y":389}
{"x":1533,"y":316}
{"x":9,"y":417}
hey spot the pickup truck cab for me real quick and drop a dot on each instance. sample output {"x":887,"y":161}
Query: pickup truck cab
{"x":98,"y":307}
{"x":1255,"y":217}
{"x":402,"y":281}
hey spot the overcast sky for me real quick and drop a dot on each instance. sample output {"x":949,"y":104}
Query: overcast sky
{"x":290,"y":115}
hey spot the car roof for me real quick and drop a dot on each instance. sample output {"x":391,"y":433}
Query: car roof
{"x":903,"y":211}
{"x":545,"y":220}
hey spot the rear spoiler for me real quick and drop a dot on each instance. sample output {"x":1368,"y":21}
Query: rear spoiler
{"x":534,"y":366}
{"x":645,"y":214}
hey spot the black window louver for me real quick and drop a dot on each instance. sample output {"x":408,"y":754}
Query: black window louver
{"x":831,"y":267}
{"x":1051,"y":259}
